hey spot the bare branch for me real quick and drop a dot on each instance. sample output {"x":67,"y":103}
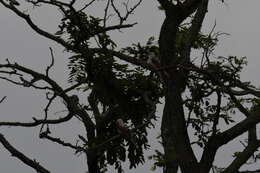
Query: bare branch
{"x":72,"y":2}
{"x":128,"y":11}
{"x":26,"y":83}
{"x":12,"y":81}
{"x":109,"y":28}
{"x":46,"y":109}
{"x":2,"y":99}
{"x":32,"y":163}
{"x":65,"y":144}
{"x":240,"y":107}
{"x":52,"y":62}
{"x":239,"y":128}
{"x":27,"y":18}
{"x":55,"y":3}
{"x":10,"y":72}
{"x":36,"y":75}
{"x":73,"y":108}
{"x":38,"y":122}
{"x":252,"y":137}
{"x":105,"y":18}
{"x":116,"y":10}
{"x":242,"y":158}
{"x":87,"y":5}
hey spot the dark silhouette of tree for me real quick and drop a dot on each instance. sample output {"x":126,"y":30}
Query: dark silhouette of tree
{"x":124,"y":86}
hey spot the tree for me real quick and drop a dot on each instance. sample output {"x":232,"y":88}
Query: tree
{"x":124,"y":85}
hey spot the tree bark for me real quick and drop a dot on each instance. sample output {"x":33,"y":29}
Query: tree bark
{"x":178,"y":151}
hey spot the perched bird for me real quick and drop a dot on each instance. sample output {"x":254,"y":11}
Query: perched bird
{"x":154,"y":61}
{"x":14,"y":2}
{"x":122,"y":129}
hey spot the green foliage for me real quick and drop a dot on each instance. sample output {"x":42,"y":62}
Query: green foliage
{"x":202,"y":41}
{"x":204,"y":85}
{"x":117,"y":90}
{"x":159,"y":159}
{"x":78,"y":28}
{"x":122,"y":89}
{"x":131,"y":93}
{"x":255,"y":104}
{"x":143,"y":52}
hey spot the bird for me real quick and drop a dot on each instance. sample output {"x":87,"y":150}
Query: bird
{"x":124,"y":131}
{"x":154,"y":61}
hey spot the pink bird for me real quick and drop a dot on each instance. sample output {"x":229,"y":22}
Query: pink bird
{"x":154,"y":61}
{"x":124,"y":131}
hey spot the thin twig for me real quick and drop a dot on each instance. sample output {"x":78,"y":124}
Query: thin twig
{"x":38,"y":122}
{"x":65,"y":144}
{"x":52,"y":62}
{"x":87,"y":5}
{"x":2,"y":99}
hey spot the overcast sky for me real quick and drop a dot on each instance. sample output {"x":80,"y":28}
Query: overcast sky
{"x":19,"y":43}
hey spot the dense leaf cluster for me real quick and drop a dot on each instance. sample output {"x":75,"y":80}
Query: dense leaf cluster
{"x":116,"y":90}
{"x":122,"y":90}
{"x":208,"y":100}
{"x":202,"y":94}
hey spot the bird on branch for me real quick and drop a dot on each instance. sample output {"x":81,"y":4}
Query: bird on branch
{"x":124,"y":131}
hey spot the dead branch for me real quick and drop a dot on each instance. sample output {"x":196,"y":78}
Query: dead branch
{"x":63,"y":143}
{"x":51,"y":64}
{"x":38,"y":122}
{"x":40,"y":31}
{"x":123,"y":18}
{"x":2,"y":99}
{"x":15,"y":153}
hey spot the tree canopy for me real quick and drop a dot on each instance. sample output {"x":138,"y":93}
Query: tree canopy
{"x":200,"y":95}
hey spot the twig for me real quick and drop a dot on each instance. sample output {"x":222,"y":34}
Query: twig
{"x":2,"y":99}
{"x":52,"y":62}
{"x":128,"y":11}
{"x":38,"y":122}
{"x":105,"y":14}
{"x":46,"y":109}
{"x":87,"y":5}
{"x":40,"y":31}
{"x":65,"y":144}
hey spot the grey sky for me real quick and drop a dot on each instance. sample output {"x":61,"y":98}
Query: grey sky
{"x":19,"y":43}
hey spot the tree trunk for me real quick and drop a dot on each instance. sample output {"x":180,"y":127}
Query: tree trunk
{"x":175,"y":138}
{"x":92,"y":161}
